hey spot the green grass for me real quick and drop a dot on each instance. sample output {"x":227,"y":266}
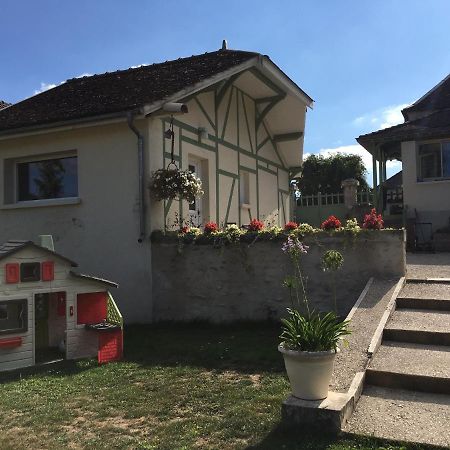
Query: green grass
{"x":180,"y":387}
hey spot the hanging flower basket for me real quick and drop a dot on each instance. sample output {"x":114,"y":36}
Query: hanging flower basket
{"x":175,"y":184}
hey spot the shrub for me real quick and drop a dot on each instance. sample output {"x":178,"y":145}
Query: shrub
{"x":373,"y":221}
{"x":255,"y":225}
{"x":352,"y":225}
{"x":305,"y":228}
{"x":211,"y":227}
{"x":332,"y":223}
{"x":290,"y":226}
{"x":184,"y":229}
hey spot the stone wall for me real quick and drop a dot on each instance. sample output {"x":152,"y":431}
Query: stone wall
{"x":242,"y":281}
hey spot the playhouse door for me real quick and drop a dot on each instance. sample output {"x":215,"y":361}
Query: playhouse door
{"x":41,"y":320}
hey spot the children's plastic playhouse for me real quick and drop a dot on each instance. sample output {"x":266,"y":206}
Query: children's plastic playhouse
{"x":49,"y":312}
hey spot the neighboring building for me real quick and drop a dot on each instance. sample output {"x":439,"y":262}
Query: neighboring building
{"x":422,"y":143}
{"x":45,"y":307}
{"x":76,"y":160}
{"x":4,"y":104}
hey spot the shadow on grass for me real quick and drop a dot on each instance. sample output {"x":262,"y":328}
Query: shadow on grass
{"x":247,"y":347}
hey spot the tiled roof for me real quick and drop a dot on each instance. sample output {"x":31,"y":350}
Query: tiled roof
{"x":394,"y":181}
{"x":115,"y":92}
{"x":436,"y":98}
{"x":12,"y":246}
{"x":433,"y":126}
{"x":4,"y":104}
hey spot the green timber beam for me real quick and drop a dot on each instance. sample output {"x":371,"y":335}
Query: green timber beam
{"x":261,"y":116}
{"x":223,"y":89}
{"x":286,"y":137}
{"x":269,"y":83}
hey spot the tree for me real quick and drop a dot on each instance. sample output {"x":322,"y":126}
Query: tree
{"x":325,"y":174}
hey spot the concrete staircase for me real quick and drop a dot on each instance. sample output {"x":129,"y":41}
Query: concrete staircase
{"x":406,"y":393}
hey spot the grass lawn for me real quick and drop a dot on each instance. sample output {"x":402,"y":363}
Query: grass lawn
{"x":180,"y":387}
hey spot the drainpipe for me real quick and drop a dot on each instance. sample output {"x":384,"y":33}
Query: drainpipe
{"x":140,"y":149}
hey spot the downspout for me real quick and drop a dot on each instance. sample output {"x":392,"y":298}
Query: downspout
{"x":140,"y":149}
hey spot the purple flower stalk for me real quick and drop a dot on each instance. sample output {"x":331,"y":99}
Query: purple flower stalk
{"x":294,"y":246}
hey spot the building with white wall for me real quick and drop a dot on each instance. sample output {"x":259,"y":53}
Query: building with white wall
{"x":75,"y":161}
{"x":422,"y":143}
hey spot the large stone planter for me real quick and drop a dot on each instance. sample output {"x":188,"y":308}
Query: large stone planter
{"x":309,"y":372}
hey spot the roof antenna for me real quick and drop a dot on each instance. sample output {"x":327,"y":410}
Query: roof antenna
{"x":224,"y":45}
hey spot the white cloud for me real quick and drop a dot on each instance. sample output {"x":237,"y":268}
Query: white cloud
{"x":381,"y":118}
{"x":44,"y":87}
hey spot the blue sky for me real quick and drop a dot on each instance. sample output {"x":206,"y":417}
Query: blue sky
{"x":360,"y":60}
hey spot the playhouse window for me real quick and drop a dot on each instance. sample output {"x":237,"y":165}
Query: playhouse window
{"x":13,"y":316}
{"x":30,"y":272}
{"x":47,"y":178}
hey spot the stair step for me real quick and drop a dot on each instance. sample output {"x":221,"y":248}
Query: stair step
{"x":411,"y":366}
{"x":420,"y":319}
{"x":402,"y":415}
{"x":417,"y":336}
{"x":426,"y":290}
{"x":423,"y":303}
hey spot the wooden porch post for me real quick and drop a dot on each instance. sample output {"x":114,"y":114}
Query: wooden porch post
{"x":374,"y":175}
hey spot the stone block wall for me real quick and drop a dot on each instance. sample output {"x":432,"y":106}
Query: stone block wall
{"x":244,"y":281}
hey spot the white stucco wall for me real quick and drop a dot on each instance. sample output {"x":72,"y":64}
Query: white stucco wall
{"x":101,"y":232}
{"x":431,"y":199}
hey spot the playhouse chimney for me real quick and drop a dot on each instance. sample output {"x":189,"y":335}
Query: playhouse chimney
{"x":46,"y":241}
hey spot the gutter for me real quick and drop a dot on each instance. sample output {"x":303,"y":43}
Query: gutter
{"x":140,"y":148}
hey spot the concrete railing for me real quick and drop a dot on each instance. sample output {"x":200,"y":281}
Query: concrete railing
{"x":242,"y":281}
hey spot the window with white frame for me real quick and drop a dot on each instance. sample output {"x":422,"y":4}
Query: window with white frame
{"x":433,"y":161}
{"x":244,"y":188}
{"x":41,"y":177}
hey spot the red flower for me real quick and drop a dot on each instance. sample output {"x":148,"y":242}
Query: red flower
{"x":332,"y":223}
{"x":211,"y":227}
{"x":373,"y":221}
{"x":185,"y":229}
{"x":290,"y":226}
{"x":255,"y":225}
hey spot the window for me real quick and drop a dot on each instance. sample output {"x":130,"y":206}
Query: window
{"x":244,"y":188}
{"x":30,"y":272}
{"x":13,"y":316}
{"x":434,"y":161}
{"x":47,"y":178}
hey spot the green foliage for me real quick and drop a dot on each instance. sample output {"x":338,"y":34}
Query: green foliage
{"x":325,"y":174}
{"x":332,"y":260}
{"x":312,"y":333}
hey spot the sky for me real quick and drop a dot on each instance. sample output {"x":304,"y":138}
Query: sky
{"x":362,"y":61}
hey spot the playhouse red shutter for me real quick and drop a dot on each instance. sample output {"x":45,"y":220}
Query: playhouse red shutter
{"x":48,"y":271}
{"x":110,"y":346}
{"x":91,"y":307}
{"x":12,"y":273}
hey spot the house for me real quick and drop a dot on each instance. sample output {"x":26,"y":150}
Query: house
{"x":48,"y":311}
{"x":4,"y":104}
{"x":76,"y":160}
{"x":422,"y":143}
